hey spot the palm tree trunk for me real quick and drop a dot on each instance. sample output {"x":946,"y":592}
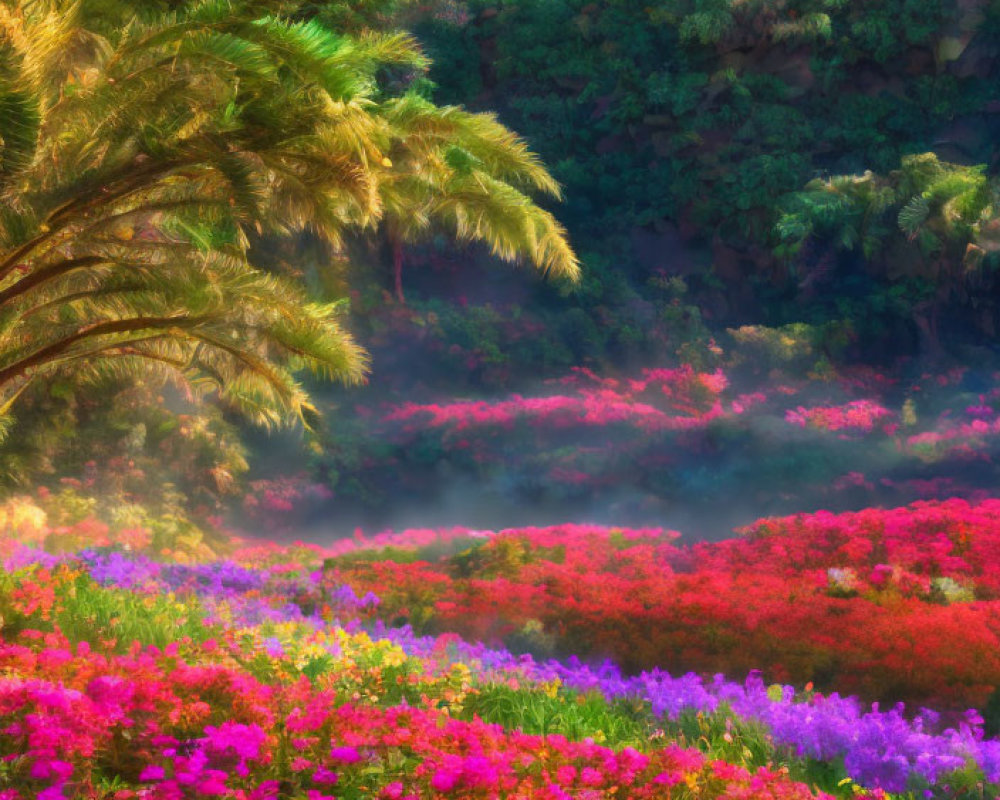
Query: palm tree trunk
{"x":397,"y":268}
{"x":58,"y":348}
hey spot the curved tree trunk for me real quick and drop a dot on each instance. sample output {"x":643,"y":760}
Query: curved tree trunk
{"x":397,"y":268}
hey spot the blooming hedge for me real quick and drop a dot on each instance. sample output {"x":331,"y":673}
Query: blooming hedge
{"x":897,"y":605}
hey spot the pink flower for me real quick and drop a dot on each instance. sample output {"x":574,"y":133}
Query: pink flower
{"x":566,"y":774}
{"x":591,"y":777}
{"x":268,"y":790}
{"x":244,"y":740}
{"x":57,"y":770}
{"x":212,"y":786}
{"x":323,"y":775}
{"x":668,"y":779}
{"x":478,"y":771}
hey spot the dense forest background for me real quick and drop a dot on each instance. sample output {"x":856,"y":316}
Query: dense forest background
{"x":784,"y":191}
{"x":684,"y":135}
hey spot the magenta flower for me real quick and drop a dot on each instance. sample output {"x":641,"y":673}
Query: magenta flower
{"x":444,"y":780}
{"x":478,"y":771}
{"x":213,"y":787}
{"x":152,"y":772}
{"x":268,"y":790}
{"x":345,"y":755}
{"x":393,"y":791}
{"x":591,"y":777}
{"x":46,"y":768}
{"x":566,"y":774}
{"x":323,"y":775}
{"x":244,"y":740}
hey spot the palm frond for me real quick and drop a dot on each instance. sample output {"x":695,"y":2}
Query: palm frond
{"x":481,"y":208}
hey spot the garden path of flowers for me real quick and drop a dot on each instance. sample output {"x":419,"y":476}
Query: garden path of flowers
{"x":295,"y":672}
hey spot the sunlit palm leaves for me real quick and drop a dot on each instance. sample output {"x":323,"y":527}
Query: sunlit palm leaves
{"x":469,"y":174}
{"x":134,"y":169}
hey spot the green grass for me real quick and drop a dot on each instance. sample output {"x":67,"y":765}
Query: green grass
{"x":93,"y":613}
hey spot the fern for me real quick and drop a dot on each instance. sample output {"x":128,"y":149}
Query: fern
{"x":913,"y":214}
{"x":945,"y":210}
{"x":809,"y":27}
{"x":706,"y":27}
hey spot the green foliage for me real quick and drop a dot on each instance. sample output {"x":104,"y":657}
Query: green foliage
{"x":791,"y":346}
{"x":87,"y":612}
{"x":947,"y":591}
{"x":629,"y":723}
{"x":504,"y":558}
{"x":705,"y":115}
{"x":576,"y":716}
{"x":141,"y":438}
{"x":940,"y":207}
{"x":847,"y":210}
{"x":95,"y":614}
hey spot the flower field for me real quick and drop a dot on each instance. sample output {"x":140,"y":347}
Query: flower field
{"x":457,"y":663}
{"x":906,"y":600}
{"x":634,"y":447}
{"x":146,"y":655}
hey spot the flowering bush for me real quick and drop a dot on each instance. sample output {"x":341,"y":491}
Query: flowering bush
{"x":892,"y":627}
{"x":690,"y":400}
{"x":69,"y":520}
{"x":217,"y":679}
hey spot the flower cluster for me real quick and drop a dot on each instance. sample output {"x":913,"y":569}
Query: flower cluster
{"x":660,"y":400}
{"x":684,"y":435}
{"x":856,"y":416}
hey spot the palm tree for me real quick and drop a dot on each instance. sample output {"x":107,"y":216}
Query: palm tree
{"x":468,"y":174}
{"x":135,"y":168}
{"x":942,"y":225}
